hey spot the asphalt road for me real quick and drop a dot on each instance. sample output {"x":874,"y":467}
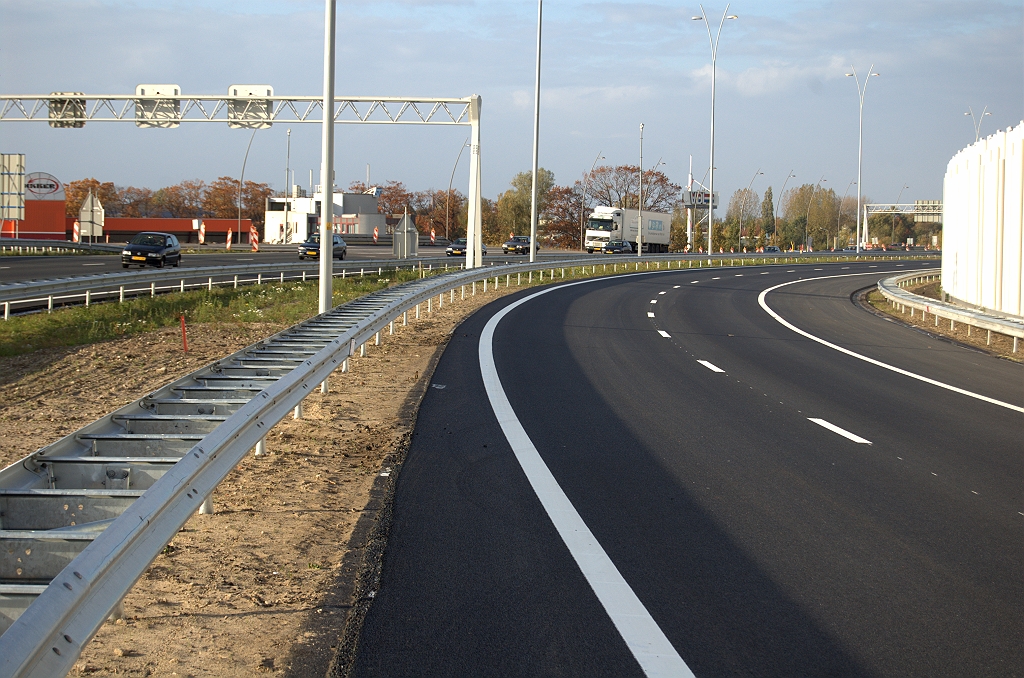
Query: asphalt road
{"x":23,"y":268}
{"x":757,"y":542}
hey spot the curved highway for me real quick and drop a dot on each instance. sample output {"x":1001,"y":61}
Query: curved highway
{"x":682,"y":483}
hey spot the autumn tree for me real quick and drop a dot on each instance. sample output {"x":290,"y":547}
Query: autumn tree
{"x":184,"y":199}
{"x":562,"y":216}
{"x":221,"y":200}
{"x":619,"y":187}
{"x":515,"y":204}
{"x":677,"y":235}
{"x":768,"y":213}
{"x":441,"y":211}
{"x":75,"y":193}
{"x":137,"y":202}
{"x":394,"y":197}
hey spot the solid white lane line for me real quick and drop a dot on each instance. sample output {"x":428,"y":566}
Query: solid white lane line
{"x":650,"y":315}
{"x":713,"y":368}
{"x":841,"y":431}
{"x":665,"y":334}
{"x":643,"y":636}
{"x":879,"y":363}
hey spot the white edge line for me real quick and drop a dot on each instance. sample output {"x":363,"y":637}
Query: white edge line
{"x":841,"y":431}
{"x":879,"y":363}
{"x":665,"y":334}
{"x":710,"y":366}
{"x":644,"y":638}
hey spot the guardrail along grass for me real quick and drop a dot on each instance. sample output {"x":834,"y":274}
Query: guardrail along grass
{"x":286,"y":303}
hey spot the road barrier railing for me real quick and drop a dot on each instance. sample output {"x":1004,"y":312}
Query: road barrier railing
{"x":908,"y":302}
{"x":32,"y":246}
{"x":105,"y":286}
{"x":81,"y":519}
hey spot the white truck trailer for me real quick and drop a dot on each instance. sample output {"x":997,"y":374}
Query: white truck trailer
{"x":616,"y":223}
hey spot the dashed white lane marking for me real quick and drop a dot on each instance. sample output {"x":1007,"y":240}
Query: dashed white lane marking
{"x":716,"y":278}
{"x":643,"y":636}
{"x":739,"y":275}
{"x":665,"y":334}
{"x":765,"y":273}
{"x":879,"y":363}
{"x":675,"y":287}
{"x":650,"y":315}
{"x":845,"y":267}
{"x":793,"y":271}
{"x":692,"y":282}
{"x":873,"y":266}
{"x":713,"y":368}
{"x":250,"y":259}
{"x":662,"y":292}
{"x":819,"y":269}
{"x":654,"y":301}
{"x":99,"y":264}
{"x":841,"y":431}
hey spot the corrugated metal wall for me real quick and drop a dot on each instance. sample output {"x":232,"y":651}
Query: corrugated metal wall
{"x":983,"y":220}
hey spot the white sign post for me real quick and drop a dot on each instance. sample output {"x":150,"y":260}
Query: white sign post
{"x":91,"y":217}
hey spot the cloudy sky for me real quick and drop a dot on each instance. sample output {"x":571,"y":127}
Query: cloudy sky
{"x":783,"y":102}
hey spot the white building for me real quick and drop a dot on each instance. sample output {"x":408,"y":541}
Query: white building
{"x":353,"y":213}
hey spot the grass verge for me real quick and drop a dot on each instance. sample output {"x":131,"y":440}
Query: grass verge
{"x":286,"y":303}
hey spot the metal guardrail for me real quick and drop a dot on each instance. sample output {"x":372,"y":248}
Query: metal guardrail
{"x":892,"y":289}
{"x":121,"y":285}
{"x":30,"y":246}
{"x":82,"y":519}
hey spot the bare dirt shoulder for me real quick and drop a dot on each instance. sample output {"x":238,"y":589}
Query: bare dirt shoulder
{"x":266,"y":583}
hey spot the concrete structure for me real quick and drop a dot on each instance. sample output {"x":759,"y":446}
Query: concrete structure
{"x":44,"y":210}
{"x":983,"y":213}
{"x":354,"y":213}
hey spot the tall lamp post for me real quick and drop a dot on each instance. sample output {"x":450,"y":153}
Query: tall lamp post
{"x":775,"y":232}
{"x":840,"y":217}
{"x":714,"y":54}
{"x":327,"y":168}
{"x":861,"y":90}
{"x":640,"y":200}
{"x":240,"y":180}
{"x":536,"y":136}
{"x":810,"y":201}
{"x":977,"y":121}
{"x":448,"y":197}
{"x":743,"y":204}
{"x":287,"y":173}
{"x":583,"y":205}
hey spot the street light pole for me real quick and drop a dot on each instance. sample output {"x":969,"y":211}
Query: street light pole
{"x":860,"y":139}
{"x":743,"y":204}
{"x":536,"y":137}
{"x":775,"y":232}
{"x":840,"y":217}
{"x":810,"y":201}
{"x":640,"y":200}
{"x":583,"y":205}
{"x":240,"y":180}
{"x":327,"y":166}
{"x":977,"y":121}
{"x":714,"y":54}
{"x":287,"y":174}
{"x":448,"y":196}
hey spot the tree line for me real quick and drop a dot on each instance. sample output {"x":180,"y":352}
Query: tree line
{"x":189,"y":199}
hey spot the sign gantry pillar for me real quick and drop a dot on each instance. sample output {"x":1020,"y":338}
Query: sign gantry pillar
{"x":474,"y":225}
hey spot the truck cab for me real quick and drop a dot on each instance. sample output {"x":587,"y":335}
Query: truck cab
{"x":604,"y":224}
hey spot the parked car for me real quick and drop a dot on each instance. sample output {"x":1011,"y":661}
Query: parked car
{"x":771,"y":249}
{"x":151,"y":249}
{"x":617,"y":247}
{"x":458,"y":247}
{"x":311,"y":248}
{"x":519,"y":244}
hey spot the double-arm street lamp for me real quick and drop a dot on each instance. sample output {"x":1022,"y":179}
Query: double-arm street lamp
{"x":714,"y":54}
{"x":448,"y":197}
{"x":977,"y":121}
{"x":536,"y":139}
{"x":840,"y":217}
{"x":861,"y":90}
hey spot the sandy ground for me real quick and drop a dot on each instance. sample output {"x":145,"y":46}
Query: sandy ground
{"x":268,"y":583}
{"x":999,"y":344}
